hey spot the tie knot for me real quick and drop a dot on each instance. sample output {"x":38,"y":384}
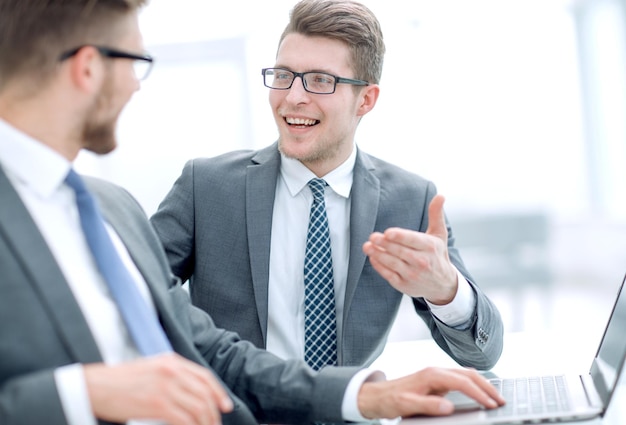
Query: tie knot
{"x":317,"y":188}
{"x":74,"y":181}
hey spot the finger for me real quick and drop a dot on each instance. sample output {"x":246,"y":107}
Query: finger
{"x":392,"y":263}
{"x":182,"y":395}
{"x":392,"y":268}
{"x":383,"y":255}
{"x":488,"y":388}
{"x":374,"y":244}
{"x":475,"y":386}
{"x":176,"y":415}
{"x":193,"y":391}
{"x":386,"y":272}
{"x":405,"y":243}
{"x":401,"y":244}
{"x":206,"y":382}
{"x":195,"y":402}
{"x":430,"y":405}
{"x":436,"y":219}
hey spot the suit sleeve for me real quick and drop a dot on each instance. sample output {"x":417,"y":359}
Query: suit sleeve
{"x":480,"y":344}
{"x":31,"y":399}
{"x":174,"y":224}
{"x":273,"y":389}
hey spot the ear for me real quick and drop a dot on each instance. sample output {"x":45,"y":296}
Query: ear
{"x":86,"y":69}
{"x":369,"y":96}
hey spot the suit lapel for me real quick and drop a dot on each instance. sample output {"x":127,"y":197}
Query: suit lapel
{"x":260,"y":193}
{"x":259,"y":208}
{"x":144,"y":250}
{"x":21,"y":232}
{"x":365,"y":198}
{"x":133,"y":239}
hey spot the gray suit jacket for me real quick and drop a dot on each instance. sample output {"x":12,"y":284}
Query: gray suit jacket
{"x":215,"y":225}
{"x":42,"y":327}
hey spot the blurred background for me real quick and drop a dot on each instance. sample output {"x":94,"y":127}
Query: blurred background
{"x":514,"y":108}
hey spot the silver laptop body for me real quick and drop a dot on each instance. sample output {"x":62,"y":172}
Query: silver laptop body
{"x":569,"y":398}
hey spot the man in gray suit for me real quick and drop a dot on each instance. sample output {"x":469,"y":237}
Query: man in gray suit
{"x":235,"y":226}
{"x":67,"y":351}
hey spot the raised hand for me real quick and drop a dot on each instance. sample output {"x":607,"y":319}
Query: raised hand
{"x":416,"y":263}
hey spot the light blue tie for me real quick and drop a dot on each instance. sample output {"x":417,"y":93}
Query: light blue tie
{"x":141,"y":322}
{"x":320,"y":335}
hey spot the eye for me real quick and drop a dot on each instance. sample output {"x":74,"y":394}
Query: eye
{"x":283,"y":75}
{"x":322,"y":79}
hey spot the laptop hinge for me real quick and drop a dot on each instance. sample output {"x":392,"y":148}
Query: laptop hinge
{"x":590,"y":390}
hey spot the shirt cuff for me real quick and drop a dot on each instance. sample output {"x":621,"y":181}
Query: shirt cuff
{"x":460,"y":311}
{"x":349,"y":407}
{"x":70,"y":382}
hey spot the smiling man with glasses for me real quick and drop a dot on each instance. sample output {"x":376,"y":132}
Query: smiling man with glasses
{"x":238,"y":226}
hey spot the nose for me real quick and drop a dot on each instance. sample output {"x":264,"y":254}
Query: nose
{"x":297,"y":93}
{"x":136,"y":83}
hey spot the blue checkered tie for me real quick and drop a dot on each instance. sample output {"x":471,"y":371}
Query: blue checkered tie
{"x":141,"y":322}
{"x":320,"y":336}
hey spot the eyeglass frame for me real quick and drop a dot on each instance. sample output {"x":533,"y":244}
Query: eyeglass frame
{"x":113,"y":54}
{"x":337,"y":79}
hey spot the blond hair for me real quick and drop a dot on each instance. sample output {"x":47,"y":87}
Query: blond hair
{"x":347,"y":21}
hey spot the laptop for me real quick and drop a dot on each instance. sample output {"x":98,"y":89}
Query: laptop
{"x":558,"y":398}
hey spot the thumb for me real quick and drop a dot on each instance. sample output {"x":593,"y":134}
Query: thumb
{"x":436,"y":218}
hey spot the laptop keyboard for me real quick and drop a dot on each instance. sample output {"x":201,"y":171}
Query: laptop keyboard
{"x":532,"y":395}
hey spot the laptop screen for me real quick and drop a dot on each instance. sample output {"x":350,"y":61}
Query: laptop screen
{"x":609,"y":359}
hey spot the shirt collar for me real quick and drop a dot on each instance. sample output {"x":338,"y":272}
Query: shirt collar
{"x":297,"y":175}
{"x":30,"y":162}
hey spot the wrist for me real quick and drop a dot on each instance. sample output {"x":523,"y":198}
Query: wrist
{"x":369,"y":399}
{"x":448,"y":292}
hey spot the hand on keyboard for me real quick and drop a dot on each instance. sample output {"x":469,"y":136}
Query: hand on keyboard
{"x":422,"y":393}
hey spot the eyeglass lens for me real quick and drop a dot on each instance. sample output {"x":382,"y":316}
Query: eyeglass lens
{"x":141,"y":69}
{"x":316,"y":82}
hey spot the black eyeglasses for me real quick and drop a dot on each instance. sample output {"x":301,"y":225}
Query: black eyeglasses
{"x":142,"y":64}
{"x":313,"y":82}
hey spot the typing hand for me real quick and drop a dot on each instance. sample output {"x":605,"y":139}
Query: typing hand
{"x":416,"y":263}
{"x":422,"y":393}
{"x":167,"y":387}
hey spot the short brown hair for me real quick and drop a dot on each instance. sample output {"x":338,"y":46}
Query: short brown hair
{"x":347,"y":21}
{"x":34,"y":33}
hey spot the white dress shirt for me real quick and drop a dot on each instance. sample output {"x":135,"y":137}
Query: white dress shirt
{"x":37,"y":173}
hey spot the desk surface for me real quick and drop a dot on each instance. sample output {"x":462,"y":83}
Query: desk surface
{"x":524,"y":354}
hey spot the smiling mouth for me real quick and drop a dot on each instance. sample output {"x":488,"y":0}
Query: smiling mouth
{"x":301,"y":122}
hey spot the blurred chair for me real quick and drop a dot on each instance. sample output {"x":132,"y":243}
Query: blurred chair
{"x":508,"y":253}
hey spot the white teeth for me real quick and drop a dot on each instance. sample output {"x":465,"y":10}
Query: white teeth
{"x":300,"y":121}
